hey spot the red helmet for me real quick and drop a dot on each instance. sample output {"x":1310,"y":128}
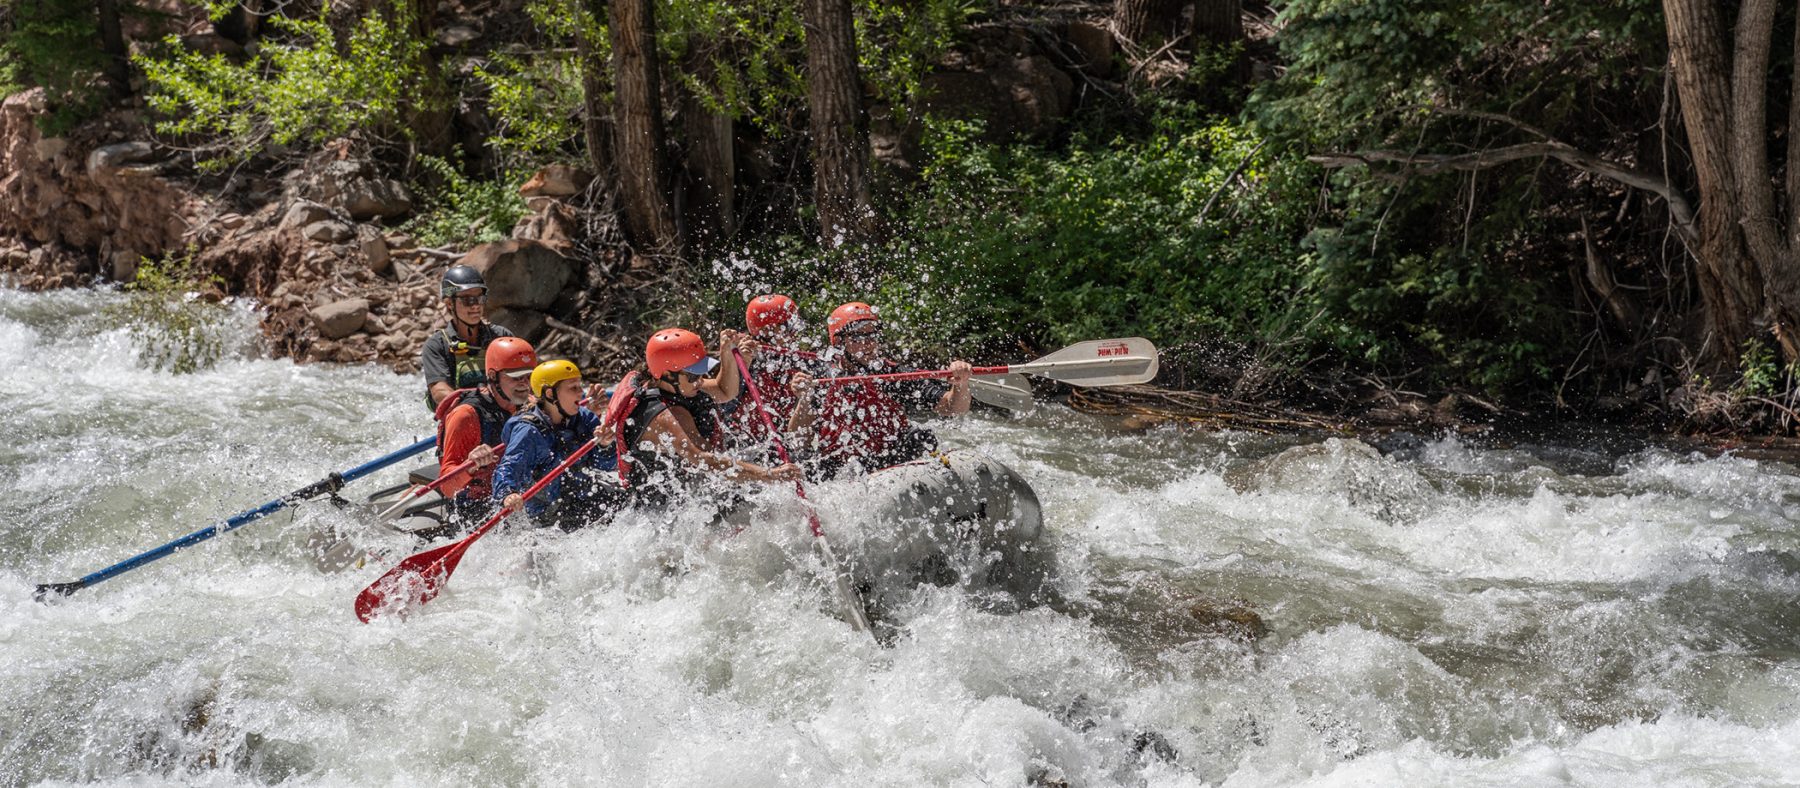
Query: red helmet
{"x":677,"y":349}
{"x":769,"y":311}
{"x":843,"y":316}
{"x":510,"y":356}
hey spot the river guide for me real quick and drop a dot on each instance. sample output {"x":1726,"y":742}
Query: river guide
{"x":452,"y":356}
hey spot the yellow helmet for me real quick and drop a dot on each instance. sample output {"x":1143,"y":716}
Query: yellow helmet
{"x":550,"y":373}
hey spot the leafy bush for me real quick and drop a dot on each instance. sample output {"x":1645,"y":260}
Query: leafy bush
{"x":1188,"y":233}
{"x":183,"y":332}
{"x":297,"y":88}
{"x":462,"y":211}
{"x":536,"y":101}
{"x":55,"y":45}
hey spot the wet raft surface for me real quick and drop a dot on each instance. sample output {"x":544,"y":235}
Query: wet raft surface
{"x":1452,"y":616}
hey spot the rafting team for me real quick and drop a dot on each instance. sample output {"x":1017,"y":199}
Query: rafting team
{"x":685,"y":416}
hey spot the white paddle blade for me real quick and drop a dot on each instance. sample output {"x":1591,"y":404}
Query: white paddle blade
{"x":1099,"y":362}
{"x":1012,"y":392}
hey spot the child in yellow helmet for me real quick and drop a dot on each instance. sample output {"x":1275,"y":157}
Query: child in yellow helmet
{"x":540,"y":437}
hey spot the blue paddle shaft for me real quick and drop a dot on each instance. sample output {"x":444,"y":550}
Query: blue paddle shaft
{"x":328,"y":484}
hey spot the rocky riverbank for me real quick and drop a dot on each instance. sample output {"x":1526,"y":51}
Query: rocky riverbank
{"x":333,"y":281}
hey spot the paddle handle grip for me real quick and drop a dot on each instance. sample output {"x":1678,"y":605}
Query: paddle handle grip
{"x":445,"y":478}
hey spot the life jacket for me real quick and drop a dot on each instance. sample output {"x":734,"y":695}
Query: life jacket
{"x":493,"y":420}
{"x":640,"y":401}
{"x":859,"y":420}
{"x":745,"y":424}
{"x":563,"y":438}
{"x":469,"y":369}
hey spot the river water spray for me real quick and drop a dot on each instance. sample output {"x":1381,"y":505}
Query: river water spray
{"x":1449,"y":615}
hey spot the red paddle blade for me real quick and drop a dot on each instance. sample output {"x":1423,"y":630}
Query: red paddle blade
{"x":414,"y":582}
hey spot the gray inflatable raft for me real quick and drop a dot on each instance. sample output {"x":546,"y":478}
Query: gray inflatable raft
{"x":960,"y":518}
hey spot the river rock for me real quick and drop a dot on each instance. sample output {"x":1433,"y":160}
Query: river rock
{"x":556,"y":180}
{"x":555,"y":224}
{"x":375,"y":249}
{"x":337,"y":178}
{"x":1096,"y":45}
{"x":327,"y":232}
{"x":302,"y":213}
{"x":125,"y":266}
{"x":521,"y":273}
{"x":340,"y":319}
{"x":457,"y":35}
{"x":49,"y":148}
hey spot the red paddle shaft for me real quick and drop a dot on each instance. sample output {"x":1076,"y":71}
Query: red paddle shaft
{"x":418,"y":579}
{"x":853,"y":605}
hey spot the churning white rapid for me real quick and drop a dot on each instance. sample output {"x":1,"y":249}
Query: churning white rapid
{"x":1446,"y":615}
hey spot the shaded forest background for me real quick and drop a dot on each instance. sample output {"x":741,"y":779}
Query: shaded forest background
{"x":1584,"y":208}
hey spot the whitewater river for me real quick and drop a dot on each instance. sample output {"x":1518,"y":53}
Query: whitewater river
{"x":1457,"y":614}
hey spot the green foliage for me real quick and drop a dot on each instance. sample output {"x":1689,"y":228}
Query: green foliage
{"x":462,"y":211}
{"x":897,"y":43}
{"x":55,"y":45}
{"x":1188,"y":233}
{"x":184,"y":333}
{"x":1364,"y":72}
{"x":296,"y":89}
{"x":1760,"y":373}
{"x":536,"y":101}
{"x":1464,"y":317}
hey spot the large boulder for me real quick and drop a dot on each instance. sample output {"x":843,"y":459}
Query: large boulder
{"x":1017,"y":97}
{"x":1096,"y":45}
{"x":556,"y":180}
{"x":529,"y":324}
{"x":340,"y":319}
{"x":554,"y":223}
{"x":113,"y":157}
{"x":521,"y":273}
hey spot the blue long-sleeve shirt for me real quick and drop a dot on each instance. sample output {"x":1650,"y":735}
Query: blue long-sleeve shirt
{"x":531,"y":453}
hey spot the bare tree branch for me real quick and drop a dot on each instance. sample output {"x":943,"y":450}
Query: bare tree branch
{"x":1433,"y":163}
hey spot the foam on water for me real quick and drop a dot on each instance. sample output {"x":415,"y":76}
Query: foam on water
{"x":1461,"y":616}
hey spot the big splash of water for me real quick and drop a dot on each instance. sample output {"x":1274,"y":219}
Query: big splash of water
{"x":1451,"y":616}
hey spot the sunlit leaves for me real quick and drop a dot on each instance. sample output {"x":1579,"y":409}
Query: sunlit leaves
{"x":297,"y":88}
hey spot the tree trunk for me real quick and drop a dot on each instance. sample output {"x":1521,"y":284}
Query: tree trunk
{"x":112,"y":42}
{"x":1766,"y":240}
{"x":711,"y":163}
{"x":638,"y":130}
{"x":839,"y":124}
{"x":1147,"y":23}
{"x":594,"y":115}
{"x":1730,"y":289}
{"x":1219,"y":24}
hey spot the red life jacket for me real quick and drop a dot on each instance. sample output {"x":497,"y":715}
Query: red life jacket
{"x":859,"y":420}
{"x":623,"y":404}
{"x":776,"y":398}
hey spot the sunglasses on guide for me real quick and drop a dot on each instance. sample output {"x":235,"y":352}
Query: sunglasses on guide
{"x":869,"y":335}
{"x":474,"y":300}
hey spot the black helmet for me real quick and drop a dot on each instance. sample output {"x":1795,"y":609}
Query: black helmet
{"x":460,"y":278}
